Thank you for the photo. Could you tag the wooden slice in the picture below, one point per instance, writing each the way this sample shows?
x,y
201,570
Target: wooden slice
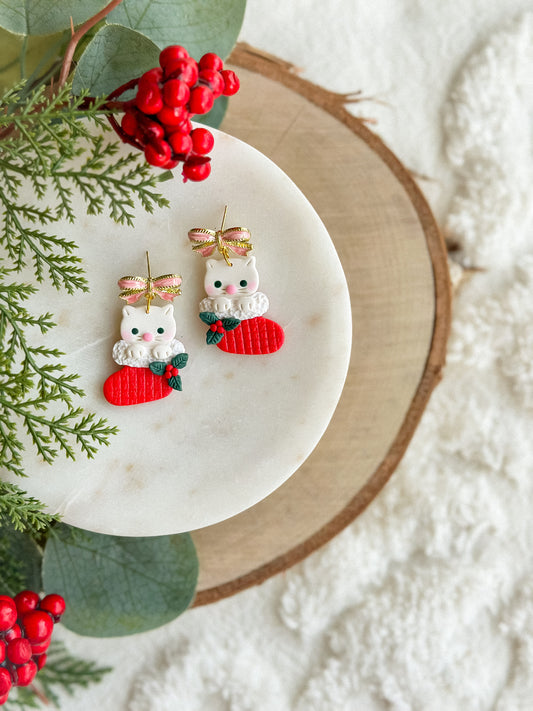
x,y
395,263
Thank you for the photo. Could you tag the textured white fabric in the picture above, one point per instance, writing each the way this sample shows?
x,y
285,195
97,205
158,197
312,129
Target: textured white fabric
x,y
251,306
425,603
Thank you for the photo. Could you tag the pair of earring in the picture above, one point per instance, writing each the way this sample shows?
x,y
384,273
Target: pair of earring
x,y
233,311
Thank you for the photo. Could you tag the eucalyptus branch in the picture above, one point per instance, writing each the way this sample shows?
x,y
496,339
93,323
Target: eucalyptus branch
x,y
76,37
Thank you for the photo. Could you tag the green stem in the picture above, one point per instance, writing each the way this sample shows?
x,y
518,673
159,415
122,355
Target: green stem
x,y
23,52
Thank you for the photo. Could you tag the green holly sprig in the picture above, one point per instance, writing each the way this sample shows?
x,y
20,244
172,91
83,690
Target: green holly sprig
x,y
217,326
170,371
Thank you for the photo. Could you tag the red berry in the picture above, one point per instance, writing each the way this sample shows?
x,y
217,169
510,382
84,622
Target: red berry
x,y
213,80
196,169
174,51
184,69
213,327
181,143
14,633
184,127
167,375
171,164
8,613
211,61
26,600
202,141
37,625
152,131
175,371
201,100
220,329
149,100
158,153
2,651
19,651
25,674
168,367
176,93
40,660
5,681
54,604
129,123
231,82
40,647
172,117
3,699
151,78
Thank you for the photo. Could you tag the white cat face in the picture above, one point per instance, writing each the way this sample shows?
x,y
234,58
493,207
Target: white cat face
x,y
158,326
241,278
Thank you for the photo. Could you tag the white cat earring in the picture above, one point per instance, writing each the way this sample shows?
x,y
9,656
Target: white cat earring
x,y
234,308
148,351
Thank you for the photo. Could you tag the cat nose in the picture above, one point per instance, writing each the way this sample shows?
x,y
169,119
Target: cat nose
x,y
230,289
148,337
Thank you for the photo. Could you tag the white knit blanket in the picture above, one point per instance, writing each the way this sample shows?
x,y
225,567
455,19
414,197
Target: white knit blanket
x,y
425,603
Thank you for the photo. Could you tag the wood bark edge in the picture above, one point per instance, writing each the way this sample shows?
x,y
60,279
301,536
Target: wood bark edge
x,y
283,72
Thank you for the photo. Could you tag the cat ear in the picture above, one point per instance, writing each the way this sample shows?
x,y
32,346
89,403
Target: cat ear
x,y
211,263
168,310
250,262
129,311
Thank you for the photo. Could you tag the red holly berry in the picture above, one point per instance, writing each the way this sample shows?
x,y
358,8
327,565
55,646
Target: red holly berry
x,y
149,99
2,651
40,647
202,141
3,699
19,651
38,625
158,153
171,164
181,143
213,80
196,168
151,78
40,660
213,327
8,613
220,329
184,69
176,93
26,600
201,100
5,681
14,633
174,371
151,131
174,51
54,604
231,82
129,123
25,674
172,117
211,61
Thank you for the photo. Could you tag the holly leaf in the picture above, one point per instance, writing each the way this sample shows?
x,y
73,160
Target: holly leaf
x,y
175,382
119,585
213,337
230,323
107,62
42,17
180,361
208,317
200,26
158,367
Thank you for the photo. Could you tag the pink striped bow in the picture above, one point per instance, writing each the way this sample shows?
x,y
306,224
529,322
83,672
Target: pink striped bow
x,y
135,288
234,239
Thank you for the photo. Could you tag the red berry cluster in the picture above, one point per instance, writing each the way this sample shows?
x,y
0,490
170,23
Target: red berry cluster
x,y
217,327
170,371
26,624
158,120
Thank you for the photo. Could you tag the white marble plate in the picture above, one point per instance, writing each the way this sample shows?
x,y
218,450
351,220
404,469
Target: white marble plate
x,y
242,424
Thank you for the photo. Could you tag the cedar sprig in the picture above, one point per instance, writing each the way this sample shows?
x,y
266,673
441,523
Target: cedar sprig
x,y
45,144
62,672
24,512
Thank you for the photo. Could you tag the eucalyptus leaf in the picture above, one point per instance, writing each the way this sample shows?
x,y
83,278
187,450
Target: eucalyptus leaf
x,y
117,585
113,57
20,562
200,26
214,117
42,17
